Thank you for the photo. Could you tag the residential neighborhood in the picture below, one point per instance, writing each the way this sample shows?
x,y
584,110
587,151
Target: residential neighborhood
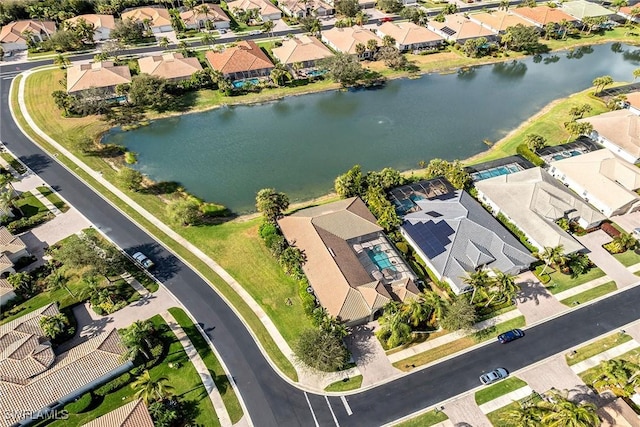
x,y
274,213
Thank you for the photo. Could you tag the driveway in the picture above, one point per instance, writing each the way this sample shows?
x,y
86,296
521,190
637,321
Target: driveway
x,y
604,260
369,356
628,221
464,412
534,300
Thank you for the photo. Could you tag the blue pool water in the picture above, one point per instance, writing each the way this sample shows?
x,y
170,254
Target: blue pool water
x,y
316,73
380,259
241,83
566,155
497,171
416,197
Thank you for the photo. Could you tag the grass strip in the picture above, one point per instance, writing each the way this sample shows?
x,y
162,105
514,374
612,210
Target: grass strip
x,y
53,198
590,294
494,391
14,163
425,420
597,347
218,374
346,384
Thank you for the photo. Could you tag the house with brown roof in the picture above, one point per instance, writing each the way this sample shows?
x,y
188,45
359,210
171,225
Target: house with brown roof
x,y
499,20
133,414
244,61
633,99
195,19
409,36
625,12
103,24
104,75
303,8
618,131
266,10
12,246
346,39
351,266
542,15
154,19
6,292
458,28
14,35
170,66
301,49
34,379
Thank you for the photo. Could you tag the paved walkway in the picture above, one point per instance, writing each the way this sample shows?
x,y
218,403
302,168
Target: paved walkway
x,y
603,259
369,356
201,368
535,301
445,339
506,399
605,355
555,373
46,202
465,412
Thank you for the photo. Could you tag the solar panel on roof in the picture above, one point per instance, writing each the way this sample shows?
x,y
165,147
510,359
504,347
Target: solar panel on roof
x,y
448,31
434,214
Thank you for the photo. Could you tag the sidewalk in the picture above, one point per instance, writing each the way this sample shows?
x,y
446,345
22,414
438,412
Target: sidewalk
x,y
603,259
46,202
582,288
506,399
605,355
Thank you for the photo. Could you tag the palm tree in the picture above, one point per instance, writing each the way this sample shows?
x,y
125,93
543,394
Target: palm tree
x,y
372,45
504,4
437,305
626,241
601,82
61,61
58,280
564,26
267,27
204,9
388,41
565,413
151,390
6,201
506,285
578,264
523,416
163,42
478,280
361,18
394,328
360,49
416,311
139,338
207,38
54,326
618,376
552,256
279,74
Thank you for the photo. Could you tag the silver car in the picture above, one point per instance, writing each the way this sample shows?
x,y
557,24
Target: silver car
x,y
142,259
493,376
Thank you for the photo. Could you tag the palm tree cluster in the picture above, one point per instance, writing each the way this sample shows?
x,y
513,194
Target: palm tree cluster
x,y
498,287
556,410
619,376
575,264
151,389
139,338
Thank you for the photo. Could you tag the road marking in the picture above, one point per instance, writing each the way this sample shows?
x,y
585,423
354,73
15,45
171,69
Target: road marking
x,y
346,405
335,420
315,420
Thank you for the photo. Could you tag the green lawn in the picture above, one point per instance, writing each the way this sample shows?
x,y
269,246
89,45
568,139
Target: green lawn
x,y
213,365
597,347
425,420
559,282
19,167
53,198
29,205
628,258
458,345
592,293
494,391
345,385
495,417
185,380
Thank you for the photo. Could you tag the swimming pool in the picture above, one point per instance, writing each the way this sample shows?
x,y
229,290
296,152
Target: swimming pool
x,y
240,83
316,73
566,154
380,258
497,171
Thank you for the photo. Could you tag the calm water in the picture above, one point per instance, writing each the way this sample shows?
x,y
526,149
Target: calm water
x,y
298,145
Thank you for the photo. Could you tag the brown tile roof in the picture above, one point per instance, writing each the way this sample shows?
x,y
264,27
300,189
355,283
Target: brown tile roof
x,y
69,372
158,16
245,56
499,20
169,66
303,5
265,7
621,127
12,32
542,15
301,48
193,17
346,39
408,33
97,74
463,28
133,414
98,21
9,242
633,98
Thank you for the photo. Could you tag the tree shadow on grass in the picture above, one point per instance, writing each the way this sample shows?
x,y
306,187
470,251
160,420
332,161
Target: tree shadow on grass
x,y
162,188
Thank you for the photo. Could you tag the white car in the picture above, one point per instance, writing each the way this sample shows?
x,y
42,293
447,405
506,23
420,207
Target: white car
x,y
255,32
142,259
493,376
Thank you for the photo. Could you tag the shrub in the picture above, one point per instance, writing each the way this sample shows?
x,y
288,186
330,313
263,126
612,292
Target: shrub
x,y
267,229
308,300
525,152
24,224
79,405
113,385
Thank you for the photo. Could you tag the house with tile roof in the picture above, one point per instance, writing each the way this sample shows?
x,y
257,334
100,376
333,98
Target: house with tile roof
x,y
170,66
154,19
581,9
542,15
133,414
6,292
499,20
34,379
301,49
266,10
351,266
533,200
633,99
103,24
104,75
12,246
409,36
626,12
13,36
601,178
459,28
618,131
245,60
304,8
346,39
195,19
453,234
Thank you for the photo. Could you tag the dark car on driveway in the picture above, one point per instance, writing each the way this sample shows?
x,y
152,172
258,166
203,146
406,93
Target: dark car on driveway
x,y
511,335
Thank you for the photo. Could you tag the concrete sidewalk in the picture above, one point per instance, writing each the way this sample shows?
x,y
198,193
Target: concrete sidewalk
x,y
605,355
603,259
504,400
46,202
582,288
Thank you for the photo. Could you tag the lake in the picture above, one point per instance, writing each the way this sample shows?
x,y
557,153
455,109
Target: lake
x,y
299,144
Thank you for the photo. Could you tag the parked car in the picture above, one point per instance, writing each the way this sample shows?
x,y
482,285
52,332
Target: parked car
x,y
222,31
511,335
142,259
493,376
255,32
636,233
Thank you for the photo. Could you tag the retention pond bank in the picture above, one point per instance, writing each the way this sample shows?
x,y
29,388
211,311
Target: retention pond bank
x,y
299,144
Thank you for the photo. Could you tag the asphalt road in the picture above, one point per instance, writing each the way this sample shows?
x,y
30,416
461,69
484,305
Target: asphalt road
x,y
271,401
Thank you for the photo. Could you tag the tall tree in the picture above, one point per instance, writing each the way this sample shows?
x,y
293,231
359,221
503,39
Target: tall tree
x,y
478,280
271,203
351,183
139,338
534,141
55,325
58,280
552,256
565,413
321,350
460,315
149,389
601,82
394,327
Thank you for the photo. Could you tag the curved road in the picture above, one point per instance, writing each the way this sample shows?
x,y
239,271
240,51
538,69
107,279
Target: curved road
x,y
272,401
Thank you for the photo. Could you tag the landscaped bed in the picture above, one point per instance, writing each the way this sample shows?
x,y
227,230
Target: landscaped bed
x,y
346,384
597,347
